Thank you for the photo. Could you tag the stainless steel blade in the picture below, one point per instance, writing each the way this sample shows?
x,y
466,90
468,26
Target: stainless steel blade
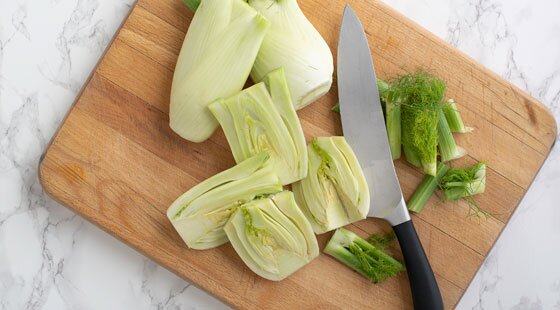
x,y
363,123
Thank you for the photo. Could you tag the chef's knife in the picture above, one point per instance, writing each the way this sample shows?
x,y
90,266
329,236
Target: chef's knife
x,y
363,125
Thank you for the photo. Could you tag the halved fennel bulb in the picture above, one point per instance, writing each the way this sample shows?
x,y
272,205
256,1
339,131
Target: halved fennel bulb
x,y
272,236
294,44
258,119
218,52
200,214
335,191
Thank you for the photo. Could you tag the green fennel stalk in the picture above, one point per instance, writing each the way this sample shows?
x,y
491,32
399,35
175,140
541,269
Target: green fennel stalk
x,y
448,149
454,118
362,256
420,95
418,200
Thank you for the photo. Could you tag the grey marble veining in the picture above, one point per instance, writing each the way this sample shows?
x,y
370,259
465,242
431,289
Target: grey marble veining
x,y
52,259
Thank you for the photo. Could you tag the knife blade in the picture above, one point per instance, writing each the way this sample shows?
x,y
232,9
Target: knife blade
x,y
363,125
363,122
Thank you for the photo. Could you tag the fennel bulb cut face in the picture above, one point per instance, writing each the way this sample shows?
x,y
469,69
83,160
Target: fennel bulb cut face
x,y
218,52
335,191
272,236
294,44
258,120
200,214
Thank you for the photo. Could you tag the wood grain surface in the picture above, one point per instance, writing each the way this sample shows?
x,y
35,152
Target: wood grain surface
x,y
116,162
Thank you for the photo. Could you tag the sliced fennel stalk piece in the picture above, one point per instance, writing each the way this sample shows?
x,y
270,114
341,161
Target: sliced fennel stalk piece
x,y
293,43
335,192
200,214
424,191
454,118
448,149
360,255
461,183
259,120
272,236
420,95
209,64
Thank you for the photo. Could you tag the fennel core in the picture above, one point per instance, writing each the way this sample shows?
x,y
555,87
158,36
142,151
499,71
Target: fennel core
x,y
272,236
334,193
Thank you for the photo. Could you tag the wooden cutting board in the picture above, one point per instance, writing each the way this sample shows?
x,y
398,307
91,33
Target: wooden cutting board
x,y
116,162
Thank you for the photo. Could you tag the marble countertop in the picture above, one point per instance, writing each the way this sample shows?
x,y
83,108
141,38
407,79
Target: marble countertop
x,y
51,258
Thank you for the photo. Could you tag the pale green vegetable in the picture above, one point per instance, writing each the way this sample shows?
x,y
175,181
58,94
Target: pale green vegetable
x,y
200,214
420,95
294,44
362,256
393,123
254,121
448,149
460,183
426,188
272,236
454,118
335,192
192,4
218,52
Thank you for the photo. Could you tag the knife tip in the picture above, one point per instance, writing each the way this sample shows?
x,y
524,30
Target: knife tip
x,y
348,10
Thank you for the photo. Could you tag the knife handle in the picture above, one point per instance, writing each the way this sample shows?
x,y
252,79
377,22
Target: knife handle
x,y
423,285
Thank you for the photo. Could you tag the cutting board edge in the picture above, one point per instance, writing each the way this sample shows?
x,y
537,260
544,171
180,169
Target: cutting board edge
x,y
425,32
96,223
86,84
47,189
43,175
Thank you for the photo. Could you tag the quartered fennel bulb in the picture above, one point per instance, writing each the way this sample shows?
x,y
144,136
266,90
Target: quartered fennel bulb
x,y
272,236
215,61
335,191
258,119
294,44
200,214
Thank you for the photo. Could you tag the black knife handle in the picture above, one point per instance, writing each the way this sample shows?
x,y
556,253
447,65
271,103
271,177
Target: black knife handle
x,y
423,285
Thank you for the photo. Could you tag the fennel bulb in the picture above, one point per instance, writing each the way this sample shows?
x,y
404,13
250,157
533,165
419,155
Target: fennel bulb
x,y
294,44
272,236
258,119
200,214
335,191
218,52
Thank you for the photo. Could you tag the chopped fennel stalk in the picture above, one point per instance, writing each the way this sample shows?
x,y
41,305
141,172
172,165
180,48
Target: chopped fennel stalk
x,y
393,123
294,44
410,155
420,95
362,256
465,183
272,236
426,188
335,192
382,87
382,241
258,119
448,149
336,107
454,118
200,214
209,66
192,4
459,183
